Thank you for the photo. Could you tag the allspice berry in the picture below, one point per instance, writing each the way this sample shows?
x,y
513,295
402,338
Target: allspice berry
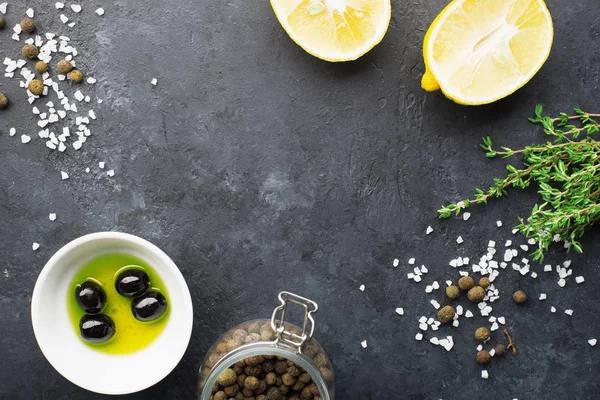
x,y
466,283
520,297
452,292
30,51
41,67
500,349
27,25
251,382
220,395
483,357
476,294
227,378
3,101
446,314
482,334
76,77
64,67
485,282
36,87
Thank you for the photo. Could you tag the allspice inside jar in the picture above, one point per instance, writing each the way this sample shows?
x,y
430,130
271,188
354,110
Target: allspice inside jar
x,y
252,360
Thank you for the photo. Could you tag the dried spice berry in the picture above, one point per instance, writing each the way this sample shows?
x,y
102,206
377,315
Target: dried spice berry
x,y
76,76
41,67
27,25
262,397
3,101
446,314
485,282
36,87
231,390
452,292
483,357
30,51
271,378
482,334
251,383
274,394
64,67
227,378
466,283
220,395
520,297
476,294
500,349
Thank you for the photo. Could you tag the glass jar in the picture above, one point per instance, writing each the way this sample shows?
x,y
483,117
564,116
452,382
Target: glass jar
x,y
257,347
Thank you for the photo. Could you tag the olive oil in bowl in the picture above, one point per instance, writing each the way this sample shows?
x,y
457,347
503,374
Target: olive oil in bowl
x,y
131,334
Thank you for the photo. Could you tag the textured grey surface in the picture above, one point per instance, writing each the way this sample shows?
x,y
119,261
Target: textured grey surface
x,y
259,168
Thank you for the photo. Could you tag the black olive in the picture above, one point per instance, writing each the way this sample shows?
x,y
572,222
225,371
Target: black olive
x,y
96,328
132,283
90,297
149,306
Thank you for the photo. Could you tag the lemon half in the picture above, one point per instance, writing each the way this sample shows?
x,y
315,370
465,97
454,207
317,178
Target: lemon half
x,y
334,30
479,51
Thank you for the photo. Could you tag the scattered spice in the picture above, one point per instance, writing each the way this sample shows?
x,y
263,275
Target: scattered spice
x,y
482,334
41,67
452,292
27,25
1,22
511,344
476,294
483,357
3,101
36,87
485,282
500,349
466,283
446,314
76,76
30,51
64,67
520,297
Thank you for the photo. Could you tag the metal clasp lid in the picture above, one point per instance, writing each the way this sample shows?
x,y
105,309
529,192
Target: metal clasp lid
x,y
278,320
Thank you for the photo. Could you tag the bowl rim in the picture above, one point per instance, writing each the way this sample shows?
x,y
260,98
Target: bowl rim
x,y
36,302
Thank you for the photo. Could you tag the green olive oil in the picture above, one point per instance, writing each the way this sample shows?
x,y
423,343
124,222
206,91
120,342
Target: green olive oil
x,y
131,335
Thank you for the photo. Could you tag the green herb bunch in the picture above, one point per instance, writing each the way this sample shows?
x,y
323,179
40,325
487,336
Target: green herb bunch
x,y
566,171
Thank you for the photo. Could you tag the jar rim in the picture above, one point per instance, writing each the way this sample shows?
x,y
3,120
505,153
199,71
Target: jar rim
x,y
261,348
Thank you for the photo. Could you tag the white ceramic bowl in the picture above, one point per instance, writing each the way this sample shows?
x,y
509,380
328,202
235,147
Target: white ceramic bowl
x,y
60,342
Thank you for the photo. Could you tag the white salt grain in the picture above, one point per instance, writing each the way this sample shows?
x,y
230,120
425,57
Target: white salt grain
x,y
423,326
363,344
52,216
417,278
423,319
25,139
459,310
435,304
534,275
484,374
494,326
424,269
552,309
466,216
561,282
498,224
76,7
459,240
592,342
468,314
101,164
455,323
64,18
64,175
29,12
411,261
508,243
435,285
400,311
428,289
502,320
567,263
59,5
154,81
580,279
100,11
479,347
419,336
569,312
449,283
3,8
87,170
543,296
35,246
548,268
361,288
524,247
395,263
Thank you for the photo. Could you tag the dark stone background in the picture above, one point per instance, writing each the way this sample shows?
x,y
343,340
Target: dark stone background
x,y
259,168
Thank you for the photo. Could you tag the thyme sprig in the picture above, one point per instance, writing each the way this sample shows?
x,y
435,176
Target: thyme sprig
x,y
566,171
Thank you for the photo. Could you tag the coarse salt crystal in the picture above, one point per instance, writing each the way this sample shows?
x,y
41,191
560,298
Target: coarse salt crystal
x,y
534,274
423,319
498,223
76,7
435,285
35,246
59,5
52,216
435,304
64,175
580,279
361,288
468,314
417,278
3,8
363,344
410,275
12,131
424,269
430,321
423,326
64,18
479,347
502,320
400,311
154,81
567,263
569,311
543,296
29,12
25,139
101,164
459,240
466,216
484,374
455,323
508,243
411,261
419,336
531,241
552,309
449,283
494,326
428,289
100,11
592,342
459,310
15,36
87,170
548,268
394,263
561,282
